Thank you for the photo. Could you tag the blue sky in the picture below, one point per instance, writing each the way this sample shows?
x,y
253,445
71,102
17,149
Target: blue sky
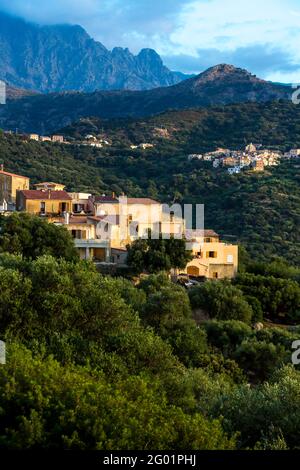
x,y
190,35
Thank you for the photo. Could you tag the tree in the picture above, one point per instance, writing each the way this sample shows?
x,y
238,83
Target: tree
x,y
158,255
221,300
166,307
47,406
31,236
279,298
265,414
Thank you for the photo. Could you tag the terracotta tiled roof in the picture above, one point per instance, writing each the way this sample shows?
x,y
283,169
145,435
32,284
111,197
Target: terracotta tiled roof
x,y
106,199
146,201
44,195
130,200
12,174
78,220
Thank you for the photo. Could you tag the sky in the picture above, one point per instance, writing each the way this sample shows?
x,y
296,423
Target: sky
x,y
190,35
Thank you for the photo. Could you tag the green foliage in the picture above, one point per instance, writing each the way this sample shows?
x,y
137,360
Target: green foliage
x,y
267,414
30,236
166,307
221,300
279,298
257,353
158,255
41,408
146,374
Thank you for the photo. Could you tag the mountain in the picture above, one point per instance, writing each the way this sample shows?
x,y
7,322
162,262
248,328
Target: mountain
x,y
64,57
220,85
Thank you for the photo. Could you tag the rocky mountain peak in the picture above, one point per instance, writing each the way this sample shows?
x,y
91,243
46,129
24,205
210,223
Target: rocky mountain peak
x,y
225,72
64,58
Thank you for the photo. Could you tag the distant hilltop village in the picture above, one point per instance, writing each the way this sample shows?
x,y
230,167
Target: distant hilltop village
x,y
254,158
102,229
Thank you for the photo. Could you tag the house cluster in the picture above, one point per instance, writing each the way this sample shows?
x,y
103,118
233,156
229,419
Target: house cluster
x,y
42,138
143,146
92,141
103,226
253,157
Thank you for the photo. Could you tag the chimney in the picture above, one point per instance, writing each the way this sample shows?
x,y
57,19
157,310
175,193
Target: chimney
x,y
49,193
113,195
2,167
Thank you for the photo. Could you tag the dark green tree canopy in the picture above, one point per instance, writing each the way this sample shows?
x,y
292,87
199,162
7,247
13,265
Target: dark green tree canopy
x,y
158,255
31,236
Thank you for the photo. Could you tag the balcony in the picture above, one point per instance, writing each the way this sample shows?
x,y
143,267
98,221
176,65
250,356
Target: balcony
x,y
82,243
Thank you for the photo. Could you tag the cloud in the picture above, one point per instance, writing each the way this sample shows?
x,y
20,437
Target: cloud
x,y
261,60
261,36
133,23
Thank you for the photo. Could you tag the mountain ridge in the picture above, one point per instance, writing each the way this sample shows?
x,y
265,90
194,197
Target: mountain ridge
x,y
220,85
64,57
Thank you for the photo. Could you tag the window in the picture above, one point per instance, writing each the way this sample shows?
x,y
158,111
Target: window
x,y
216,275
106,228
230,259
43,207
172,215
211,254
207,240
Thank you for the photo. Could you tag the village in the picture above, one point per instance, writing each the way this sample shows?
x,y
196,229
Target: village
x,y
253,157
104,226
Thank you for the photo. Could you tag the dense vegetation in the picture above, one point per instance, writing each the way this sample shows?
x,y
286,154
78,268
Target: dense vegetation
x,y
157,255
261,211
273,124
96,362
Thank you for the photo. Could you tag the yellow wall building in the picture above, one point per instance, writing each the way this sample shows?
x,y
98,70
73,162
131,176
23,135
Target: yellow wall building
x,y
105,225
10,184
213,259
45,203
127,219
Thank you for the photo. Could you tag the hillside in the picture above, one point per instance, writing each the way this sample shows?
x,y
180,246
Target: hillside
x,y
13,93
219,85
64,57
259,210
275,124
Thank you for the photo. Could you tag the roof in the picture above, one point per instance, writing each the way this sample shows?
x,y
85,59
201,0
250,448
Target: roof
x,y
145,201
78,220
13,174
44,195
130,200
109,219
49,183
106,199
201,233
